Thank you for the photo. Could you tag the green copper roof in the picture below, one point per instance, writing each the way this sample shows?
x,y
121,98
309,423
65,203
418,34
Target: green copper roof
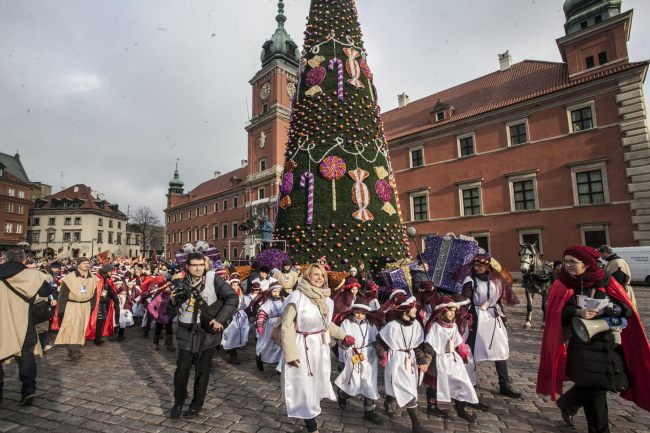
x,y
280,46
13,165
580,11
176,183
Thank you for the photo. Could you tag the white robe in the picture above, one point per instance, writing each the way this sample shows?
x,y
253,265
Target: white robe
x,y
236,334
453,380
302,391
266,348
360,379
401,375
491,336
264,284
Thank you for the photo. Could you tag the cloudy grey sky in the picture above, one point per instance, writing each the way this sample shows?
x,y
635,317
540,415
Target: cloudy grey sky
x,y
110,93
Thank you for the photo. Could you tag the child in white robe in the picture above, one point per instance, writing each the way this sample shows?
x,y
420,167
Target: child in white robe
x,y
450,355
399,347
269,313
359,374
235,335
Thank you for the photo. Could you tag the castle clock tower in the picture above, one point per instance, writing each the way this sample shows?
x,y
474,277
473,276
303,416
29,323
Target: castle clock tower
x,y
273,89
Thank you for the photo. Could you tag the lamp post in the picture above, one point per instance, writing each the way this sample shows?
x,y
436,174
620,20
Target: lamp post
x,y
412,233
92,247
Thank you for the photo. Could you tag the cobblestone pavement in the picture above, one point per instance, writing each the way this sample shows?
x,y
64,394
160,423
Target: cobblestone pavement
x,y
126,387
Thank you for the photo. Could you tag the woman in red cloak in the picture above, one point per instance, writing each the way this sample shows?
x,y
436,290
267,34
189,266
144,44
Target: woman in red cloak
x,y
600,365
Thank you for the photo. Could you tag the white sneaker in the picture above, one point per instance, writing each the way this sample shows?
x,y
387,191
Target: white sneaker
x,y
48,347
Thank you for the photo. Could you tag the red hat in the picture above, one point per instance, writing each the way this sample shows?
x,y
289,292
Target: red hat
x,y
587,255
361,303
446,302
256,285
426,286
351,282
372,288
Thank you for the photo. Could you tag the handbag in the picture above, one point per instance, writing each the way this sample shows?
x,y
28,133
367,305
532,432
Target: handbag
x,y
41,311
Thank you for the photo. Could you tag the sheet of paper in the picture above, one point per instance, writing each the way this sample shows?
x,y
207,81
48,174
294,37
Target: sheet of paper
x,y
592,304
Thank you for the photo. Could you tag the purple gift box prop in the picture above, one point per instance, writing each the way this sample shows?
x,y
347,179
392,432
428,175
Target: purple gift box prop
x,y
212,253
394,279
445,255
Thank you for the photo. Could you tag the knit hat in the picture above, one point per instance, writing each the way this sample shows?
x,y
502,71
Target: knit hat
x,y
286,262
233,280
256,286
606,249
353,269
274,286
587,255
265,269
80,260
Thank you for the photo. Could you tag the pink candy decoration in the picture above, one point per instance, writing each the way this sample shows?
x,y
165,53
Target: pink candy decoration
x,y
383,190
287,183
333,168
315,76
307,180
338,63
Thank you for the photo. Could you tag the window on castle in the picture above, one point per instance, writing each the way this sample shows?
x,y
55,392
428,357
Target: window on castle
x,y
582,119
589,62
602,58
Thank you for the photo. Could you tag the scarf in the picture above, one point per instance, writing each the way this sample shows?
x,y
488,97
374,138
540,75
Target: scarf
x,y
316,295
591,278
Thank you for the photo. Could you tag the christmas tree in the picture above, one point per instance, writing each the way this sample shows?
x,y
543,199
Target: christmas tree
x,y
338,196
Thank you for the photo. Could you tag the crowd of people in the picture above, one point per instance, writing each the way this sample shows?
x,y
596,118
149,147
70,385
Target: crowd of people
x,y
419,336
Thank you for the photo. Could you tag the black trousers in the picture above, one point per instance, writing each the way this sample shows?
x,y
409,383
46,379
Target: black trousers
x,y
26,362
594,403
169,329
98,329
502,373
202,362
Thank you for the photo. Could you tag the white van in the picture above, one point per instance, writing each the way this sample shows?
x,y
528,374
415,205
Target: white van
x,y
638,258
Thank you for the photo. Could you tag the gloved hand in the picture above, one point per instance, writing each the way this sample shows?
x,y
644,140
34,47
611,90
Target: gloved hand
x,y
348,341
613,310
260,330
384,360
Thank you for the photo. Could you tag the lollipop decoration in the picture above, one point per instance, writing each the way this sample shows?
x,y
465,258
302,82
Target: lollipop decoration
x,y
337,62
333,168
307,181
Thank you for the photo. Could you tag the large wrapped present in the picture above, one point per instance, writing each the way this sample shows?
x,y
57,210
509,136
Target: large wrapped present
x,y
394,278
446,255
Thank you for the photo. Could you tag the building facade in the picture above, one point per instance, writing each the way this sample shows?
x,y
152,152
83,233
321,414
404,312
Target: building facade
x,y
17,195
227,210
547,153
76,222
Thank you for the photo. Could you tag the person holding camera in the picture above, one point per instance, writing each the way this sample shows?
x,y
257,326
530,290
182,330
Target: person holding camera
x,y
205,304
603,363
19,289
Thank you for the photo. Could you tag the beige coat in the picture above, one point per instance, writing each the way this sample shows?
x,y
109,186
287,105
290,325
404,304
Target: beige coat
x,y
77,310
613,266
14,311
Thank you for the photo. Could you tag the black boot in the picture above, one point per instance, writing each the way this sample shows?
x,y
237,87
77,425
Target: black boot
x,y
416,426
169,342
461,411
434,410
390,406
176,410
483,407
567,415
371,416
260,364
120,337
156,341
233,358
508,391
145,332
342,401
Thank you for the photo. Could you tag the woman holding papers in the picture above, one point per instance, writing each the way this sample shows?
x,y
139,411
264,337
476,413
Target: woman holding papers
x,y
603,363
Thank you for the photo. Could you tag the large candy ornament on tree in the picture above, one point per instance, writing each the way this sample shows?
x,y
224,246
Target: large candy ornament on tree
x,y
353,67
333,168
315,76
361,195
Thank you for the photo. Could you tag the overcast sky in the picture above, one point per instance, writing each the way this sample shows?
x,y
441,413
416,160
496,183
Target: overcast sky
x,y
110,93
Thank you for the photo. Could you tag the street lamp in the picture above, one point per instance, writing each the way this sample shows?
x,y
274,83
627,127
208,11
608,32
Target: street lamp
x,y
412,233
92,247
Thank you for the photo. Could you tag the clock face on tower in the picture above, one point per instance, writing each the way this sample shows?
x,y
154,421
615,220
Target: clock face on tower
x,y
265,92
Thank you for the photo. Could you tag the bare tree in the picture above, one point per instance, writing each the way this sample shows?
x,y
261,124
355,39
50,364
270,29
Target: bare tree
x,y
147,224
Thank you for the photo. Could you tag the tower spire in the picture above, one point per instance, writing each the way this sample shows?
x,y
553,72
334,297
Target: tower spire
x,y
280,18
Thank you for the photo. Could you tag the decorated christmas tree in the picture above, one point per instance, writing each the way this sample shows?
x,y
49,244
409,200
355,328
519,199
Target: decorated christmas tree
x,y
338,196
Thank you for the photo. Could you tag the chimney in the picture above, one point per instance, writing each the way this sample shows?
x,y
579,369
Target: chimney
x,y
505,61
403,100
217,174
244,162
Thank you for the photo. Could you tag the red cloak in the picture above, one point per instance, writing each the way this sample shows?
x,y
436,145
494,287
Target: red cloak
x,y
107,329
636,350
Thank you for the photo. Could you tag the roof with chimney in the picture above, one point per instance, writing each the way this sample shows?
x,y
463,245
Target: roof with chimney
x,y
523,81
79,197
13,165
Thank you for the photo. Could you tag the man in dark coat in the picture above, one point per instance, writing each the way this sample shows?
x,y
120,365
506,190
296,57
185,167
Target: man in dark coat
x,y
206,303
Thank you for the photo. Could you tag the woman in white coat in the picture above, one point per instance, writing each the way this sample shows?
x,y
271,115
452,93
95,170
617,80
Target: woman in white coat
x,y
306,332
